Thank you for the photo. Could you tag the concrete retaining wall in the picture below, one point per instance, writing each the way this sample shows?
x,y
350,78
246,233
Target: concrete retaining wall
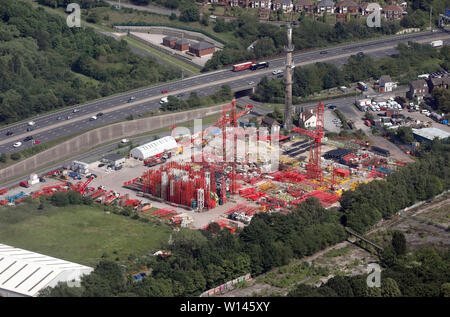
x,y
168,31
93,138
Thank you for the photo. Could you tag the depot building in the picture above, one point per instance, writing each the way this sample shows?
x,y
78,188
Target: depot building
x,y
153,148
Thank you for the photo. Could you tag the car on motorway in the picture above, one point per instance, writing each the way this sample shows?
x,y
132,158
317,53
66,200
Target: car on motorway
x,y
36,142
75,110
99,114
132,99
125,141
92,118
163,100
17,144
69,117
31,123
59,118
277,71
28,138
164,91
251,82
331,107
323,52
280,75
360,54
29,129
24,184
180,95
9,133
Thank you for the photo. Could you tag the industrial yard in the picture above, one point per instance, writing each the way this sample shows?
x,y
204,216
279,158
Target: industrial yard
x,y
168,180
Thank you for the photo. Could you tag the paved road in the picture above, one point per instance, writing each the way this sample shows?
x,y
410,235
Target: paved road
x,y
115,108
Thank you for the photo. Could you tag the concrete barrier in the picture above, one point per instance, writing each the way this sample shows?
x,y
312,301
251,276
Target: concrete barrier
x,y
93,138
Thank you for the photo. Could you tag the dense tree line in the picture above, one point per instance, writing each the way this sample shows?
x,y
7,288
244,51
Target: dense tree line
x,y
271,39
424,273
412,59
418,181
204,259
84,4
45,65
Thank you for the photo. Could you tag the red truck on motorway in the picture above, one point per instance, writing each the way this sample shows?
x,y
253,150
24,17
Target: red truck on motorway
x,y
242,66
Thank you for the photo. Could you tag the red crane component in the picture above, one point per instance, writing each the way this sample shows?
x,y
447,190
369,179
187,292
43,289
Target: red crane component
x,y
314,168
81,187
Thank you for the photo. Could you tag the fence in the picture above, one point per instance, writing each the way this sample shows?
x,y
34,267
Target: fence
x,y
226,287
166,51
102,135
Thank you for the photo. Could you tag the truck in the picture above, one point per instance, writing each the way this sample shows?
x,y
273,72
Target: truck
x,y
437,43
362,86
242,66
259,65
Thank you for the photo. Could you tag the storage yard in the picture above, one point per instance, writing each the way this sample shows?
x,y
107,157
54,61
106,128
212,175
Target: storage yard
x,y
168,180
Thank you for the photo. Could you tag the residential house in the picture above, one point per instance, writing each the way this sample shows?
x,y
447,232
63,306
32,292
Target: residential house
x,y
268,121
325,6
442,82
304,5
386,84
393,12
418,89
261,4
308,118
347,6
286,5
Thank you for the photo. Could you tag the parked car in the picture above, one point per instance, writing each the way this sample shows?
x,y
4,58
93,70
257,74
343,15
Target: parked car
x,y
101,164
17,144
42,179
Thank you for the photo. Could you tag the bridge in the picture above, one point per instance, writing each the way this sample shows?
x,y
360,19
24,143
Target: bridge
x,y
354,233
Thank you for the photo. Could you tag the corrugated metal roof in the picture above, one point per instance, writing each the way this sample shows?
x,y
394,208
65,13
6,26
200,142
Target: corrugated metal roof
x,y
26,272
431,133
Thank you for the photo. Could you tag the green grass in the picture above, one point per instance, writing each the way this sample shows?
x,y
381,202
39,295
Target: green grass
x,y
337,252
81,234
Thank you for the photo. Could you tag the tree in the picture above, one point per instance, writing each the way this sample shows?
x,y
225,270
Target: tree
x,y
399,242
3,158
172,16
15,156
389,288
60,199
190,14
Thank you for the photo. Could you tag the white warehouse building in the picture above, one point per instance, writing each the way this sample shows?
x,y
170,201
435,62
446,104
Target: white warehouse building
x,y
153,148
24,273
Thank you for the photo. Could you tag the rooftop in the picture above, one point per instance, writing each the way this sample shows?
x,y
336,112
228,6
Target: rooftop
x,y
26,273
431,133
202,45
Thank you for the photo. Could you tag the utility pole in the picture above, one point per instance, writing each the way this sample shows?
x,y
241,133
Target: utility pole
x,y
288,80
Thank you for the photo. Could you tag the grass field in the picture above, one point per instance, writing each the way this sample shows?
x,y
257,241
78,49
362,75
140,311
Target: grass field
x,y
81,234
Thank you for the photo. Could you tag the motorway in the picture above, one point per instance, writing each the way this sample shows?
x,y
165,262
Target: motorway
x,y
115,108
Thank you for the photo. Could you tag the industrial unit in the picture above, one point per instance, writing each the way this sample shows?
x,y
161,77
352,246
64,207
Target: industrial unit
x,y
24,273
